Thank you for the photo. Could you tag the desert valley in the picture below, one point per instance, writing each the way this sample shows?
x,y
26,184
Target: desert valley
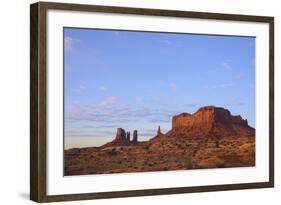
x,y
209,138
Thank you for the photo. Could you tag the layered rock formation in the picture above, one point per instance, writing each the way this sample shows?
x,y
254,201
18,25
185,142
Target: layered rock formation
x,y
207,116
209,121
122,138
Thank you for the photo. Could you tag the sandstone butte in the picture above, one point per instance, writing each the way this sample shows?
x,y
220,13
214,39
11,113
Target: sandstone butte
x,y
208,121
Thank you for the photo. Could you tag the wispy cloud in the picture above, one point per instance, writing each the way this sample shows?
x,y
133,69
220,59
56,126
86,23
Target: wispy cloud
x,y
82,132
219,86
69,42
191,105
75,111
109,111
226,66
107,102
79,89
221,66
102,88
234,102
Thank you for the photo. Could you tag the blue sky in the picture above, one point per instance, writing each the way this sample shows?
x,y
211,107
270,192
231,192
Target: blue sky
x,y
139,80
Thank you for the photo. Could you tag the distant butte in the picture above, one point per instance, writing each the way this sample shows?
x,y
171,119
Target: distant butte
x,y
122,138
208,121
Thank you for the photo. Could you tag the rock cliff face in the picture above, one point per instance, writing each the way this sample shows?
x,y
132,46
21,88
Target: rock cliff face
x,y
207,116
209,121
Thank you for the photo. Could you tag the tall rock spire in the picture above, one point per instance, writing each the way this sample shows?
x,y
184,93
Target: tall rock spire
x,y
128,136
158,131
135,136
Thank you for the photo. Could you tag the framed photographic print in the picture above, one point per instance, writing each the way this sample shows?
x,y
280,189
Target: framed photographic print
x,y
134,102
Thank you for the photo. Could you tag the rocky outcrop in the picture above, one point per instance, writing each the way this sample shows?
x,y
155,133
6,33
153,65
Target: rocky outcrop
x,y
122,138
128,136
159,131
159,135
120,135
207,116
135,137
209,121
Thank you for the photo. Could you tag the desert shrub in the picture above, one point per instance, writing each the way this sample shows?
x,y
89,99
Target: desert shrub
x,y
145,162
217,143
149,152
179,145
112,152
147,146
188,162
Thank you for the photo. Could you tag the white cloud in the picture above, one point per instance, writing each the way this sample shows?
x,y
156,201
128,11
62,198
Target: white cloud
x,y
108,112
107,102
79,89
226,66
69,42
219,86
234,102
75,111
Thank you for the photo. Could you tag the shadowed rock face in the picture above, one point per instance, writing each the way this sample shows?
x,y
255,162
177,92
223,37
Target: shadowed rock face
x,y
135,137
128,136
